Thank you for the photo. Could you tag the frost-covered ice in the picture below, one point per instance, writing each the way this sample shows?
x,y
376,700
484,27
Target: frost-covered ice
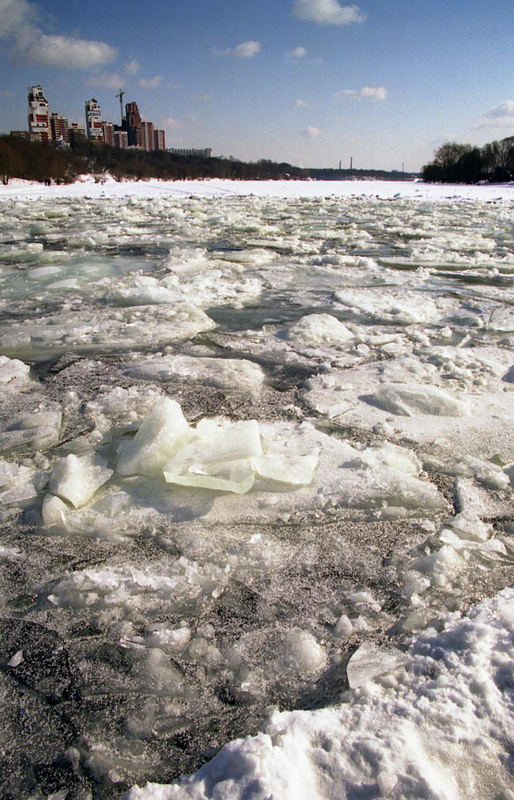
x,y
256,451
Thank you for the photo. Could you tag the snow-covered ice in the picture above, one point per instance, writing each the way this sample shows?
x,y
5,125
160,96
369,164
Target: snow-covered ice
x,y
257,458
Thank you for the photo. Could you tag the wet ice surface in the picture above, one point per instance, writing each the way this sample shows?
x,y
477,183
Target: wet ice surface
x,y
254,450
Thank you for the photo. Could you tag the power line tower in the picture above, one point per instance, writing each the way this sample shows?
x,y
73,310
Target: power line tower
x,y
120,95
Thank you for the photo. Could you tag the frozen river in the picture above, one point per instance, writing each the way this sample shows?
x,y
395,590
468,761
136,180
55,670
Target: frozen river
x,y
256,466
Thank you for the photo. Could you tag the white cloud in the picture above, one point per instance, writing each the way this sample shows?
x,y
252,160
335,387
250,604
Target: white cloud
x,y
150,83
506,109
30,44
132,67
105,80
297,53
243,50
377,93
171,123
15,16
300,103
374,92
328,12
501,116
312,133
247,49
67,51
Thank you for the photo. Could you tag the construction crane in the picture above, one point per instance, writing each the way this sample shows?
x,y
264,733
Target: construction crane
x,y
120,95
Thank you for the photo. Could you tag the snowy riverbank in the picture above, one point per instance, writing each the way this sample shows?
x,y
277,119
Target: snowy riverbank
x,y
86,186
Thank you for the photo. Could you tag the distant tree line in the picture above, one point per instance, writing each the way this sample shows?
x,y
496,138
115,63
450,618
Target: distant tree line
x,y
463,163
361,174
41,161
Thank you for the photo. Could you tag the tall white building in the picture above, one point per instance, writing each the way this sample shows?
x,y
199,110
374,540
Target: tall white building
x,y
94,127
39,114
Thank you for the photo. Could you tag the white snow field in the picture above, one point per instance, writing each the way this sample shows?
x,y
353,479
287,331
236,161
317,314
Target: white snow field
x,y
256,468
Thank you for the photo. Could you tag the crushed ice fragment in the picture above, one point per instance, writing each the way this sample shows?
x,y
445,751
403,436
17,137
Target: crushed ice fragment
x,y
76,479
162,432
54,511
16,660
13,372
318,329
371,661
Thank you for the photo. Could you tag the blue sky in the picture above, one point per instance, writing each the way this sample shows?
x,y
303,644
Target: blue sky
x,y
311,82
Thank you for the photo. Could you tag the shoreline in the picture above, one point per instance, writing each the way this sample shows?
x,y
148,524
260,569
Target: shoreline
x,y
19,189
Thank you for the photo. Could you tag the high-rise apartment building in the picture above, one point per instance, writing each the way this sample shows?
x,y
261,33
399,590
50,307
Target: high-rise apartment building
x,y
94,120
133,123
76,132
159,140
121,139
148,135
108,133
39,116
59,128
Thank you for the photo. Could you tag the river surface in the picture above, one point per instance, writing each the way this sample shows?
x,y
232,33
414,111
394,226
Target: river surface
x,y
241,438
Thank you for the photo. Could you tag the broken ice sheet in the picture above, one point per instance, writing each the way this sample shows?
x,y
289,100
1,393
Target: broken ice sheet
x,y
90,330
219,457
35,431
19,485
409,399
223,373
385,305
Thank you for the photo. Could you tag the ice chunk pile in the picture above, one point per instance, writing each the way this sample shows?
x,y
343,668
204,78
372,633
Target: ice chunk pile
x,y
181,587
181,471
217,455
